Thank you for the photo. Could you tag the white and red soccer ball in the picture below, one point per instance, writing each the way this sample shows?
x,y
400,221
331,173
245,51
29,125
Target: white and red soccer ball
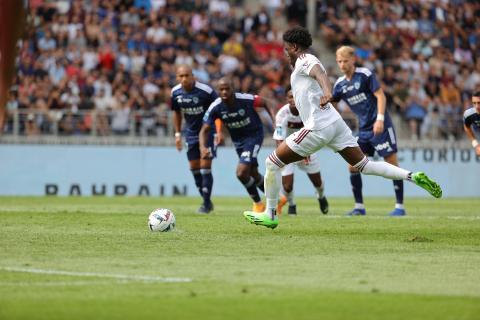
x,y
161,220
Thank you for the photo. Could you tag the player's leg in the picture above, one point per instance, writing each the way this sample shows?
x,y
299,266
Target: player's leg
x,y
317,182
386,146
207,178
258,177
244,169
355,157
398,187
356,179
207,184
286,194
247,153
12,19
311,165
283,154
193,156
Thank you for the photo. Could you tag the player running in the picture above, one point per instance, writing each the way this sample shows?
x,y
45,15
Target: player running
x,y
287,122
323,126
239,113
471,118
192,98
360,90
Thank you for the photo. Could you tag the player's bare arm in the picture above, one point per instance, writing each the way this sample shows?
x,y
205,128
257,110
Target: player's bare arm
x,y
321,76
378,126
263,104
177,123
202,139
471,136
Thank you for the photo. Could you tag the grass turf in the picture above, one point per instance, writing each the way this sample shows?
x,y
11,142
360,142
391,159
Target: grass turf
x,y
422,266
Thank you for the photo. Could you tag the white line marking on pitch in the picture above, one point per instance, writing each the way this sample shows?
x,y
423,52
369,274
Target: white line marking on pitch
x,y
97,275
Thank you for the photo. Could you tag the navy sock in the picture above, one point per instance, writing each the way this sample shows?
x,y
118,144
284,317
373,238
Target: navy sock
x,y
259,183
198,179
207,183
398,186
252,189
356,181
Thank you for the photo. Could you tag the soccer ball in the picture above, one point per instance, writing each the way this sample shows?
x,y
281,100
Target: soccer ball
x,y
161,220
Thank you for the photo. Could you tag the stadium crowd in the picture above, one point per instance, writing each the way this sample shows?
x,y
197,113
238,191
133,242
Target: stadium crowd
x,y
96,65
425,52
93,65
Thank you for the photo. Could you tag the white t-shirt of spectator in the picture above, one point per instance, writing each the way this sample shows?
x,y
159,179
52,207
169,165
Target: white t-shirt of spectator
x,y
150,89
100,85
103,103
219,6
156,34
157,4
90,60
47,44
138,61
307,92
228,63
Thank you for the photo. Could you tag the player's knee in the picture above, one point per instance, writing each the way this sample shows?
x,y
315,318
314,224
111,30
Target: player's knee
x,y
360,166
243,175
288,187
272,163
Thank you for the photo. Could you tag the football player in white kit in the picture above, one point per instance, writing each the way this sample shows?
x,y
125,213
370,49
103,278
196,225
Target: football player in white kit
x,y
323,126
287,122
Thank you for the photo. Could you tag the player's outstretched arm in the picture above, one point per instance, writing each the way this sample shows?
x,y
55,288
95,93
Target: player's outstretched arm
x,y
319,74
203,139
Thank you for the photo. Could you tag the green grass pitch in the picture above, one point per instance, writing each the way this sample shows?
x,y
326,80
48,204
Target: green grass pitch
x,y
84,258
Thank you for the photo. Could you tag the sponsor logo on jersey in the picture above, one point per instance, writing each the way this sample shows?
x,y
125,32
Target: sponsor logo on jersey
x,y
357,99
383,146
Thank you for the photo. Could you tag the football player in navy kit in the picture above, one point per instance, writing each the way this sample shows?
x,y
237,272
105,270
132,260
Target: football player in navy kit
x,y
239,113
471,121
190,99
359,88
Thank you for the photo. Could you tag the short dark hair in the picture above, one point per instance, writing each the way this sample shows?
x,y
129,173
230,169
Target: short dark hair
x,y
476,94
288,88
299,36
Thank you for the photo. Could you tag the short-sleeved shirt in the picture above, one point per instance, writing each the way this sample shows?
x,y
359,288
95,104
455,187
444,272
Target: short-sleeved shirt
x,y
241,120
193,104
307,93
358,93
472,119
286,123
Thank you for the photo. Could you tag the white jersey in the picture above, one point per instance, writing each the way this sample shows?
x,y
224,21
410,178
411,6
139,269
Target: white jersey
x,y
286,123
307,92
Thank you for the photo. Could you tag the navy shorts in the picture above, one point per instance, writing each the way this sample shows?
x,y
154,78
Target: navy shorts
x,y
384,144
193,148
247,150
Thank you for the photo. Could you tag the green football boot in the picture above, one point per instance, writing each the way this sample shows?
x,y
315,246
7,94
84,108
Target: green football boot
x,y
261,219
423,181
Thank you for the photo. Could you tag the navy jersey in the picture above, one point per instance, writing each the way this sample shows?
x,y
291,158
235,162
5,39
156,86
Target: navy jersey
x,y
241,120
358,93
472,119
193,105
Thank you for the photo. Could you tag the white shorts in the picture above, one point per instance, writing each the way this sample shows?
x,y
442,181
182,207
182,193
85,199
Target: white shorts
x,y
336,136
309,165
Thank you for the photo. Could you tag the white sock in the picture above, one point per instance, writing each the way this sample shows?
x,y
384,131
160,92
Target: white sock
x,y
399,206
359,206
272,182
383,169
319,191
